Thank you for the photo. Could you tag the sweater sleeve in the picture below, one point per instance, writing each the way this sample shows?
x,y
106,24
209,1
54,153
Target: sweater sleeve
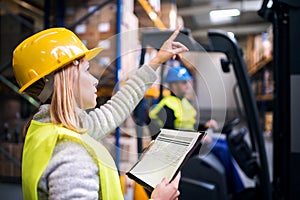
x,y
102,121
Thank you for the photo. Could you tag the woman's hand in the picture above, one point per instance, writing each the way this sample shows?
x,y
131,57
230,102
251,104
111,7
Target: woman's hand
x,y
166,190
169,49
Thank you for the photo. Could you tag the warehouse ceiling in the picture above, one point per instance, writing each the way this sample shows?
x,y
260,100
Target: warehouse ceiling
x,y
195,14
196,17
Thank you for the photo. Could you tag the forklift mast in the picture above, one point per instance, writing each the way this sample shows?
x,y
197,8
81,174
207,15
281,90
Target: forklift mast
x,y
221,41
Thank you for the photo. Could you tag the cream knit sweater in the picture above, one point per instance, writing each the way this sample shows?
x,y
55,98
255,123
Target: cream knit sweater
x,y
71,172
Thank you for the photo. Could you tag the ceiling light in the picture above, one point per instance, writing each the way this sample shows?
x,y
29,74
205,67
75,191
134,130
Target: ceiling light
x,y
223,15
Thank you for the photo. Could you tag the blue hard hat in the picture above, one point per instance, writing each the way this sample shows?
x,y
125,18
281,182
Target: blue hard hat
x,y
176,74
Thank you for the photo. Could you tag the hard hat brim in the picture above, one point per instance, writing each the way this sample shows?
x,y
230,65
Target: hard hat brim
x,y
93,53
90,54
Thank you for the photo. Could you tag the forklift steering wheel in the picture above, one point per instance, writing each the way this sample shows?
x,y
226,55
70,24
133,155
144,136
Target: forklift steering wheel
x,y
229,125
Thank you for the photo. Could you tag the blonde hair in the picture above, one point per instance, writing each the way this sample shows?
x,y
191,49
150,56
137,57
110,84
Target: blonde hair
x,y
63,102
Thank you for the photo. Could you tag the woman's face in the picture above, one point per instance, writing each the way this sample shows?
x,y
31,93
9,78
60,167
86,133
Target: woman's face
x,y
86,92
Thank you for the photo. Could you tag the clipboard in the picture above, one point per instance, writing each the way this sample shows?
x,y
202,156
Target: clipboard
x,y
165,156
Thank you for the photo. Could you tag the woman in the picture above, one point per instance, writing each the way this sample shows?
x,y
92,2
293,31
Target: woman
x,y
61,157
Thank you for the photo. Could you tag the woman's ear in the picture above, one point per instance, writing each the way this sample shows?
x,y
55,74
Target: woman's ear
x,y
75,62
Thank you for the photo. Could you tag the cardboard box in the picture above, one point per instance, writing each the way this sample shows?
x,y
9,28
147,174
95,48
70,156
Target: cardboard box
x,y
168,15
128,150
268,123
7,167
106,29
128,6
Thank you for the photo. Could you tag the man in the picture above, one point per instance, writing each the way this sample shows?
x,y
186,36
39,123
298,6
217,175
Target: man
x,y
176,112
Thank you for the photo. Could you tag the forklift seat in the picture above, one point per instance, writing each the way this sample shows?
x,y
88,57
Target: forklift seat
x,y
203,177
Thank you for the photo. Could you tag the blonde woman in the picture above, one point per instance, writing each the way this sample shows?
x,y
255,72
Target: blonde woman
x,y
62,158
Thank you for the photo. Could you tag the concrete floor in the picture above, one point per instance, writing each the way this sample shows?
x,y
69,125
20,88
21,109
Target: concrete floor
x,y
10,191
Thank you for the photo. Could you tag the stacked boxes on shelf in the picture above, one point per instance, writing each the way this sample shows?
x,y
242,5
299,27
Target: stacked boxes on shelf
x,y
97,30
128,150
11,137
168,13
260,68
100,30
9,167
268,126
130,47
259,49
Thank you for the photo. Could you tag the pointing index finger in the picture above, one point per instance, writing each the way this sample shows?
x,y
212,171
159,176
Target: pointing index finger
x,y
175,34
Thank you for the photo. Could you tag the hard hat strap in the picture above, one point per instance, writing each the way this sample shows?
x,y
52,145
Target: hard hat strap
x,y
48,88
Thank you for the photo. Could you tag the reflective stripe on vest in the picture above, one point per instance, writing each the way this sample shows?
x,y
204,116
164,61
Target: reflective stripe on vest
x,y
184,112
40,142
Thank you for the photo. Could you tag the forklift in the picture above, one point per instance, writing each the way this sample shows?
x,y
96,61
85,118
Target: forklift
x,y
203,176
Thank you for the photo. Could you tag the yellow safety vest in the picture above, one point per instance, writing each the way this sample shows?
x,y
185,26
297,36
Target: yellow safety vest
x,y
39,144
184,112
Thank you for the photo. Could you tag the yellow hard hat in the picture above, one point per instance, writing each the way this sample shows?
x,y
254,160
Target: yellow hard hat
x,y
45,52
